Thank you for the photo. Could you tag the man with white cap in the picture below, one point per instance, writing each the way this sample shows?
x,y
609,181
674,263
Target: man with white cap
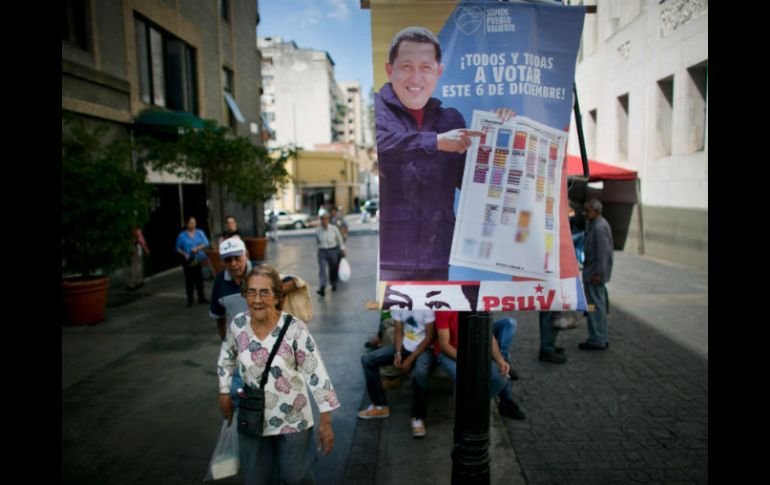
x,y
226,298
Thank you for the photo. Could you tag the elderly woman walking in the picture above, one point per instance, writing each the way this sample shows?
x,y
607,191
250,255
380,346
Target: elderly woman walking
x,y
279,448
191,244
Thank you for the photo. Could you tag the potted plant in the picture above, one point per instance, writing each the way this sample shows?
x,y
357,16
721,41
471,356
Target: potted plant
x,y
103,201
248,173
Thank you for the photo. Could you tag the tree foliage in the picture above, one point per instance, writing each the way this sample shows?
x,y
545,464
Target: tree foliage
x,y
103,200
249,173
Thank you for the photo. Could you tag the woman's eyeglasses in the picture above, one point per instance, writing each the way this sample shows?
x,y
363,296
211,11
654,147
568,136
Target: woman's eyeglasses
x,y
263,293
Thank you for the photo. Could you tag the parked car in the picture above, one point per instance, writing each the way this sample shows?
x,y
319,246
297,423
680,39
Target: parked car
x,y
286,219
372,206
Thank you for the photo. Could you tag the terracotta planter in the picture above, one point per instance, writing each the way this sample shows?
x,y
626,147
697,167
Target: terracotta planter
x,y
257,247
213,256
83,301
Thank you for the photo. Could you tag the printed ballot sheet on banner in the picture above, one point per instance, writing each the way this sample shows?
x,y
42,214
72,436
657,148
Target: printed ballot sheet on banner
x,y
507,218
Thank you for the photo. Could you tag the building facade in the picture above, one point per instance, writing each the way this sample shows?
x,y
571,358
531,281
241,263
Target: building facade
x,y
642,82
123,58
327,176
304,105
300,100
353,126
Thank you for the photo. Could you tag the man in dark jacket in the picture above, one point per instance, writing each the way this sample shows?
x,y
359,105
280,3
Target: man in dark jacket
x,y
597,269
421,149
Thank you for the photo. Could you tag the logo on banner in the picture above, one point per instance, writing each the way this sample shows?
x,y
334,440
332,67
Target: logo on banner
x,y
497,20
469,19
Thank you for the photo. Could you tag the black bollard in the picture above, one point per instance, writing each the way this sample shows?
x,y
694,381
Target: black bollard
x,y
470,456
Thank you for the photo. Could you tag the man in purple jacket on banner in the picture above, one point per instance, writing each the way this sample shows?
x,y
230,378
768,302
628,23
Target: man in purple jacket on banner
x,y
421,148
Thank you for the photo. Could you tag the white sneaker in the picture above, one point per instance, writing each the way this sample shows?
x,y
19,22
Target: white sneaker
x,y
418,428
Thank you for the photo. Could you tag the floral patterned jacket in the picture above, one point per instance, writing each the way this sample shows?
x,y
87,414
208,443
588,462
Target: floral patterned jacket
x,y
296,366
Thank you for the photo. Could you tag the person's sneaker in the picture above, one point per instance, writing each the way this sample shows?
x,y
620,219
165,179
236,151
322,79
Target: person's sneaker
x,y
590,346
374,412
418,428
511,410
321,291
554,357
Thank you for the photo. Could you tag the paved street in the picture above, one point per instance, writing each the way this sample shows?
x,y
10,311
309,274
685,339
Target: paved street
x,y
139,390
636,413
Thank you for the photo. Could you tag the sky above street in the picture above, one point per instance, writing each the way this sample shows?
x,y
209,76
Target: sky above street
x,y
339,27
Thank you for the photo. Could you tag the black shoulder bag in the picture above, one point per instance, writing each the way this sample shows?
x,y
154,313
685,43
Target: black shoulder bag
x,y
251,408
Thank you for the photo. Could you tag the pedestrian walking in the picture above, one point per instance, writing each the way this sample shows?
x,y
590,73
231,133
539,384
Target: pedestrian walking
x,y
597,270
190,244
331,248
276,446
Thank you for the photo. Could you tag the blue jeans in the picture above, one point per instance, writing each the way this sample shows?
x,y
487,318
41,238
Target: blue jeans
x,y
371,362
547,333
503,330
578,239
286,458
597,319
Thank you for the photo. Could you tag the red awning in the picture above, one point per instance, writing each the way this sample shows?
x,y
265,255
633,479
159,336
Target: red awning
x,y
598,170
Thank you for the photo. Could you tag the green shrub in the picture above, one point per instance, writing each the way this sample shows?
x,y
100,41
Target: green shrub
x,y
103,201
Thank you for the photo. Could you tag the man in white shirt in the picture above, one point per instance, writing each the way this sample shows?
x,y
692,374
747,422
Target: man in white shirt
x,y
331,248
411,350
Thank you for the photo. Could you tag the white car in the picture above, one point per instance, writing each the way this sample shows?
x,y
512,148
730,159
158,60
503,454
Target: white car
x,y
286,219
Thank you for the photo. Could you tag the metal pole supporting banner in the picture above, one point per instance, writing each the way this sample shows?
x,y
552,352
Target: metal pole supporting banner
x,y
581,138
470,456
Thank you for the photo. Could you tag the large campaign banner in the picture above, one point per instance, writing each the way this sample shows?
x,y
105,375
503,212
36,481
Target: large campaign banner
x,y
472,114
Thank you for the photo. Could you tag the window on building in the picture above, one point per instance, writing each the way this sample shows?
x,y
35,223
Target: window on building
x,y
74,23
697,107
166,68
622,110
224,9
665,116
228,80
180,76
228,85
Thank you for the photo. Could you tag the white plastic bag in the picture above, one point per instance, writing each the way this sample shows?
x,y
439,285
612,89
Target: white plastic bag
x,y
565,321
344,269
225,462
